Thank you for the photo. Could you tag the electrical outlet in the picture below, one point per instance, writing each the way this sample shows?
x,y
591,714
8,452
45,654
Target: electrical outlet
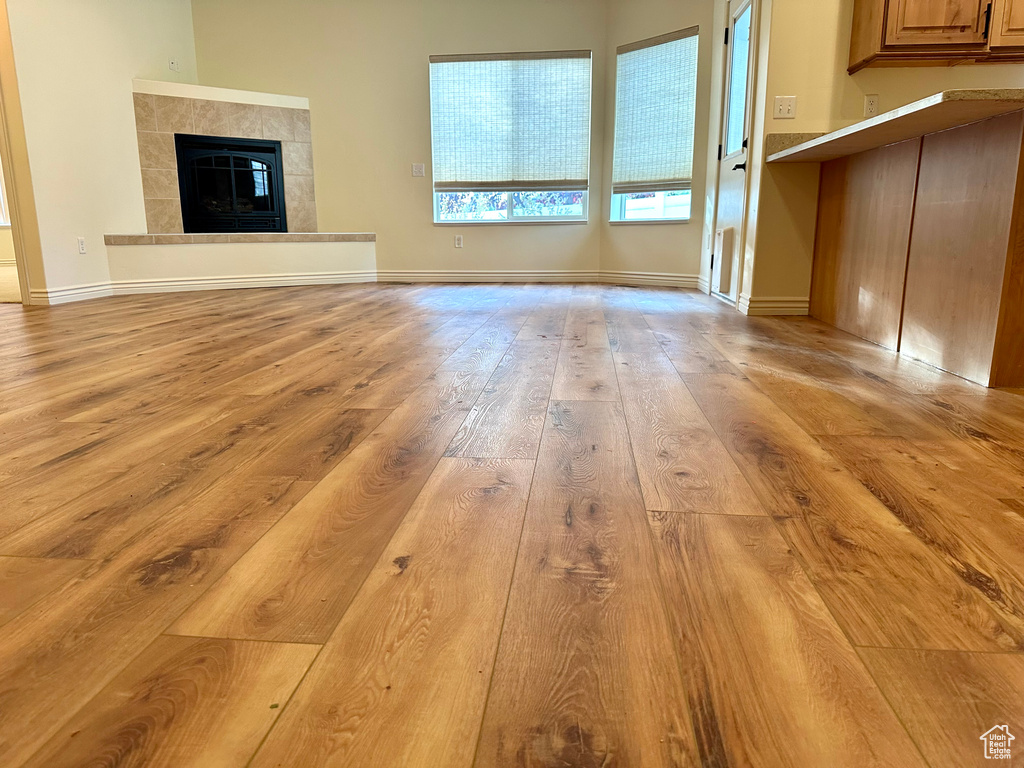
x,y
458,241
173,65
871,105
419,169
81,245
785,107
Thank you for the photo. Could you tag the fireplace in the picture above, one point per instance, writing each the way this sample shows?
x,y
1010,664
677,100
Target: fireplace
x,y
230,185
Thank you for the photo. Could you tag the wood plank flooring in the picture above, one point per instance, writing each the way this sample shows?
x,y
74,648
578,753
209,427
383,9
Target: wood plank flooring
x,y
502,525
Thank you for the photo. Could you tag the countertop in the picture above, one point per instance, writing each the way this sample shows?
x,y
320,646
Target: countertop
x,y
945,110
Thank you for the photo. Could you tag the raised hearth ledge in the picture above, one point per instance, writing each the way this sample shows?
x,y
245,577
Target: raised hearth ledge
x,y
252,237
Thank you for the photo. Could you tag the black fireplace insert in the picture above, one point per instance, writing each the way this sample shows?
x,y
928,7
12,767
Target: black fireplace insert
x,y
230,185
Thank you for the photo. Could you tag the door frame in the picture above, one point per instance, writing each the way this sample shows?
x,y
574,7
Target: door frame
x,y
735,8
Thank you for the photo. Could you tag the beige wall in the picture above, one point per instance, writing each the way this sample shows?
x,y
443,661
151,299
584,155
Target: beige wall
x,y
75,62
363,66
664,248
807,58
6,246
657,248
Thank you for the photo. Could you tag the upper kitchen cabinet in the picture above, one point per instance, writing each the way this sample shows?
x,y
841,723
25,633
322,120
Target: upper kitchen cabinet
x,y
920,32
1007,26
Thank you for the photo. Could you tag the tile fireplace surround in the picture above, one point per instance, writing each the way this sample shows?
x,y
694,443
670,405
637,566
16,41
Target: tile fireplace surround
x,y
230,114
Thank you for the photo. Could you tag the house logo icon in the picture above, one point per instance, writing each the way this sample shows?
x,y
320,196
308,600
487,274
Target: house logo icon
x,y
997,743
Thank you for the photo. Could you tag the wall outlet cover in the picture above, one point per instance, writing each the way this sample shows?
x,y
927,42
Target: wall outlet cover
x,y
871,108
419,169
81,245
458,241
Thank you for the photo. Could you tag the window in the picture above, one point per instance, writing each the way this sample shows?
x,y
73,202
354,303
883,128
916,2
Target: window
x,y
5,215
655,112
511,136
736,111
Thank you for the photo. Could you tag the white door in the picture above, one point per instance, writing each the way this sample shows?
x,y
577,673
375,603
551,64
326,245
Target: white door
x,y
732,152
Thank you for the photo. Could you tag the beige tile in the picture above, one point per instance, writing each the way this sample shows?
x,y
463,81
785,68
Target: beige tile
x,y
172,239
298,158
298,189
278,123
210,238
212,118
156,150
174,115
252,238
160,184
163,216
301,217
302,126
145,112
128,239
356,237
245,121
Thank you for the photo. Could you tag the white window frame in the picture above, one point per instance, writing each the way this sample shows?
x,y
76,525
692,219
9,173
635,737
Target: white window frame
x,y
618,212
510,218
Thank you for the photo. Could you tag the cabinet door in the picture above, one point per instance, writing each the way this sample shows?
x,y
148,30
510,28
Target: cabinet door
x,y
1007,24
935,22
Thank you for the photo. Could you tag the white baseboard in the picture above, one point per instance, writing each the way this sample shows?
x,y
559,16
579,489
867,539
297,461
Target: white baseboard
x,y
485,276
703,284
760,306
172,285
71,293
540,276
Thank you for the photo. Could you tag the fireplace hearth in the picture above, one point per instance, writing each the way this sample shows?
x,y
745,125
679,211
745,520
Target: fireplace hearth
x,y
230,185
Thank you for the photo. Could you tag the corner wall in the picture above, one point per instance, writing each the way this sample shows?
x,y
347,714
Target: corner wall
x,y
673,249
363,66
75,64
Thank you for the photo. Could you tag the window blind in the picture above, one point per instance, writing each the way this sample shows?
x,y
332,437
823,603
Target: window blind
x,y
515,122
655,110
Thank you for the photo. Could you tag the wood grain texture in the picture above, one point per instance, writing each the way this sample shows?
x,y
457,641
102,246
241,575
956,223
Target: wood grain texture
x,y
507,419
585,370
183,702
948,700
982,543
859,555
771,678
297,582
958,254
865,208
682,464
24,580
586,673
198,449
403,679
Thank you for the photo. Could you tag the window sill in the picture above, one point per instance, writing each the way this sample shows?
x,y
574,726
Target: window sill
x,y
632,222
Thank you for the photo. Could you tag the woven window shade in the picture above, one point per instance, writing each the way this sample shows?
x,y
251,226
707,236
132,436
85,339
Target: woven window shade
x,y
513,122
655,108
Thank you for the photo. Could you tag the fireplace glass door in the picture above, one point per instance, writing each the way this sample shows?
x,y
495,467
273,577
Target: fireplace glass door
x,y
230,185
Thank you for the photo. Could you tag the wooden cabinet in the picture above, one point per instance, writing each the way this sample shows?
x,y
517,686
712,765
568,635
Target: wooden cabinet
x,y
940,32
936,22
1007,25
920,248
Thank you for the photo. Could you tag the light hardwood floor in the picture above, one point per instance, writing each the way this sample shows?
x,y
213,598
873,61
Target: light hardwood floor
x,y
455,526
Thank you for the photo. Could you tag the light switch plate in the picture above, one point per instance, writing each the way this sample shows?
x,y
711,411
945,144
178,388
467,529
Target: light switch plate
x,y
419,169
785,107
458,241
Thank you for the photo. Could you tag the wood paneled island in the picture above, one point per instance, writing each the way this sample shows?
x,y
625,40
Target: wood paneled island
x,y
920,233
